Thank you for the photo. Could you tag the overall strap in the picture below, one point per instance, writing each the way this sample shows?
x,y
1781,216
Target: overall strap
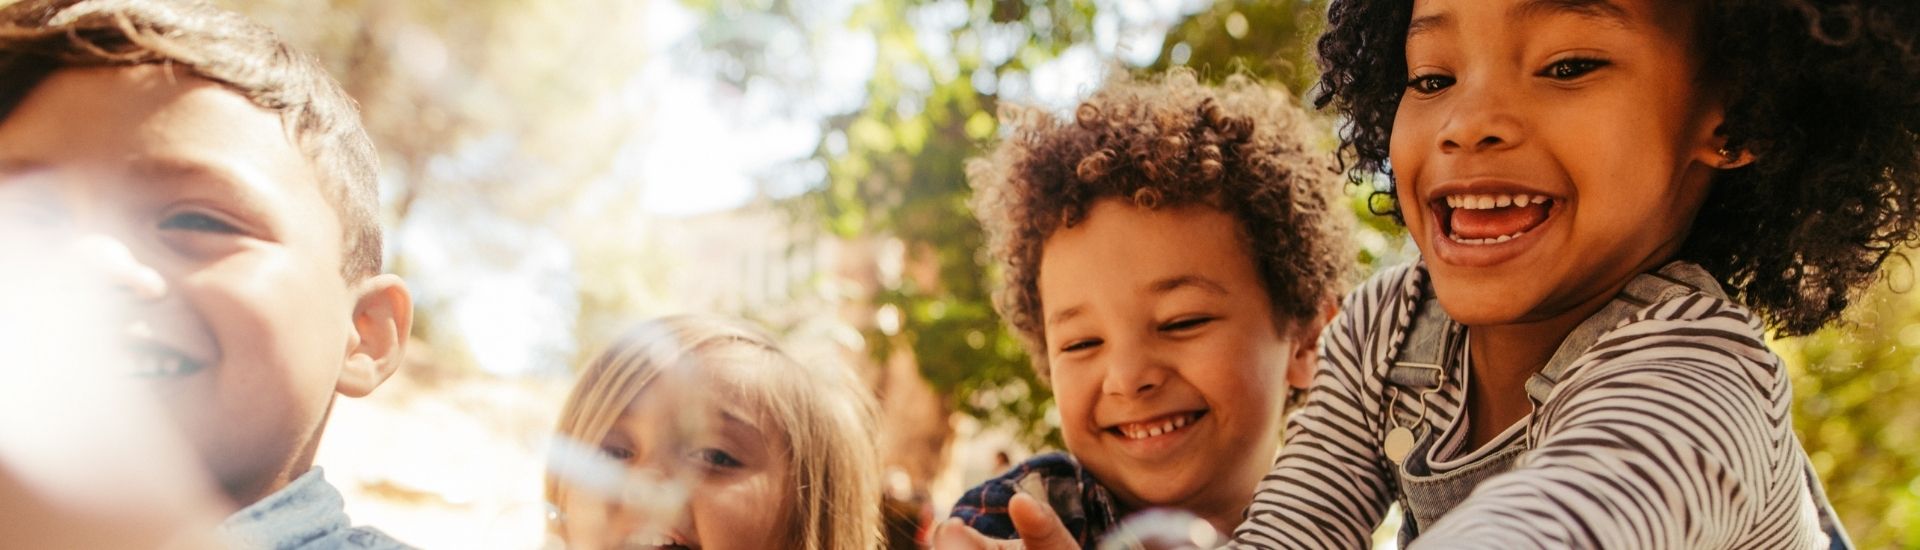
x,y
1675,280
1420,363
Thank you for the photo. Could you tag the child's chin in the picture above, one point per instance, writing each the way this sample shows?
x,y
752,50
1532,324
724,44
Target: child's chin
x,y
1476,302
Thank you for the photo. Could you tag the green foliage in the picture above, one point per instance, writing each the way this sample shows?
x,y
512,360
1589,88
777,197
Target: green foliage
x,y
1852,384
1269,39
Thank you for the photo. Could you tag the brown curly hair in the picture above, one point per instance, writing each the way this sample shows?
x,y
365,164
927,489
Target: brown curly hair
x,y
40,37
1824,93
1240,147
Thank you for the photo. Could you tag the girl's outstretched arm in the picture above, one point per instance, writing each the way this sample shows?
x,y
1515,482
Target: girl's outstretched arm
x,y
1678,436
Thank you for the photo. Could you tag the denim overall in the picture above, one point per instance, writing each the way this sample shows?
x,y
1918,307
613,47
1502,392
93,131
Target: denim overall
x,y
1426,358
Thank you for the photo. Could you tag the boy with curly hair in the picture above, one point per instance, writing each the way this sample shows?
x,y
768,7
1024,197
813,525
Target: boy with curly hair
x,y
1170,254
219,184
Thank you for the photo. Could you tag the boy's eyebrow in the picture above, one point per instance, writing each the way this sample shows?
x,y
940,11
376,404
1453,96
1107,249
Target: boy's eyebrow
x,y
1065,314
1604,11
1170,284
178,169
242,189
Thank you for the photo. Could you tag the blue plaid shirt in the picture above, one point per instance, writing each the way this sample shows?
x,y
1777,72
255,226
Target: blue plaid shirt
x,y
1082,504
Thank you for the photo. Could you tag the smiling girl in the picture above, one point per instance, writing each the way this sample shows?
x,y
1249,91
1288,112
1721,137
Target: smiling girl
x,y
1613,200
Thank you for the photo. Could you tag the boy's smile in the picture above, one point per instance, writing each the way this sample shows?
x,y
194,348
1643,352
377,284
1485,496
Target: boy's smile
x,y
165,357
1168,364
1158,437
197,209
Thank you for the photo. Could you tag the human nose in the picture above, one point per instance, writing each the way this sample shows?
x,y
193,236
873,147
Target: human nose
x,y
1482,118
114,263
1133,371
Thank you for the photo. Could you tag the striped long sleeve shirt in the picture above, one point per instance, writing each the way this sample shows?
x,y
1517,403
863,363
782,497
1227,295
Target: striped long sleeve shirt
x,y
1672,431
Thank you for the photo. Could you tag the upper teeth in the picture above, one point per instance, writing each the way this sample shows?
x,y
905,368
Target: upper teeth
x,y
1145,430
1486,201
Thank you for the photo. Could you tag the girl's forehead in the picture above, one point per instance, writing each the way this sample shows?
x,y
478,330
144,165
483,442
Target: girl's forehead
x,y
707,387
1438,14
1502,24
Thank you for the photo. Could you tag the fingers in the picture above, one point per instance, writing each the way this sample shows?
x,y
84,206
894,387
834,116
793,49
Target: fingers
x,y
1039,528
952,534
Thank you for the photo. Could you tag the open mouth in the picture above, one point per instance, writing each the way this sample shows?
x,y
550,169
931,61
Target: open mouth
x,y
149,361
1156,427
1491,218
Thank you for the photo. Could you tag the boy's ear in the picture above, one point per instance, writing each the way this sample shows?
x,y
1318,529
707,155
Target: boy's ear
x,y
1304,360
382,319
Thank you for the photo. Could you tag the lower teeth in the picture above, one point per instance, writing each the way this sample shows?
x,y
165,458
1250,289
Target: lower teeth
x,y
1489,240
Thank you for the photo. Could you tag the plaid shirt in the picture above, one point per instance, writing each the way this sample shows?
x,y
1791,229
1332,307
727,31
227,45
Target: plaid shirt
x,y
1082,504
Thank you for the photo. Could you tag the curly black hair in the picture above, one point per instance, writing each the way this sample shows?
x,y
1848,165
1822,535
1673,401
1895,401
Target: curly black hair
x,y
1241,147
1824,93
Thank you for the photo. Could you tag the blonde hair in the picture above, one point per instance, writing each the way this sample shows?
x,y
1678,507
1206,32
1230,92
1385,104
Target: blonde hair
x,y
823,410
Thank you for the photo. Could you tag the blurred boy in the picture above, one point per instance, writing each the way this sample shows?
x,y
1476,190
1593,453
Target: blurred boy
x,y
220,187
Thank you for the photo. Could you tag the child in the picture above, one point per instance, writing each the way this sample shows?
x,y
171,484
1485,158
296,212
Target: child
x,y
1611,199
222,186
730,444
1170,253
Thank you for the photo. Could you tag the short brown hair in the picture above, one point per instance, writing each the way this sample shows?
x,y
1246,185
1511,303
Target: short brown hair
x,y
39,37
1241,147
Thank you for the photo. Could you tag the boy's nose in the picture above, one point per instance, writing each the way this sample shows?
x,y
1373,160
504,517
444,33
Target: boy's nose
x,y
115,264
1134,373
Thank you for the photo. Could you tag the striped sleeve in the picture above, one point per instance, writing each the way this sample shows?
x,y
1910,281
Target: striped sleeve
x,y
1328,489
1669,433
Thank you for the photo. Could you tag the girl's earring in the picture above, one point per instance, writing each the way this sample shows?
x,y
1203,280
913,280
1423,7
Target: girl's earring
x,y
1726,156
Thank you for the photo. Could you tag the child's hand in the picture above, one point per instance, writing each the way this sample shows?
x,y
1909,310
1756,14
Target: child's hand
x,y
1039,530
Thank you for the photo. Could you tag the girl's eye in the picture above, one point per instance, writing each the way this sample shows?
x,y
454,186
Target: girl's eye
x,y
1429,84
716,458
1569,69
197,222
617,453
1189,323
1078,345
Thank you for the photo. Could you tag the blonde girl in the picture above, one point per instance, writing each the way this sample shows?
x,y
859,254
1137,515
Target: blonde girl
x,y
721,440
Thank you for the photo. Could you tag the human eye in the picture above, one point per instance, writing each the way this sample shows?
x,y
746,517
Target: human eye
x,y
1081,344
1572,68
1185,324
1429,84
617,452
197,222
715,459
